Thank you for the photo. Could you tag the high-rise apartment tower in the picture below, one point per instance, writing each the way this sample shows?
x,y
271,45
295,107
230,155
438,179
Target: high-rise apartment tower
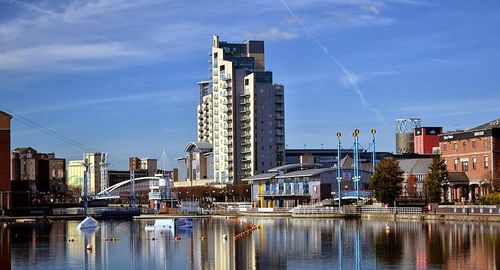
x,y
241,111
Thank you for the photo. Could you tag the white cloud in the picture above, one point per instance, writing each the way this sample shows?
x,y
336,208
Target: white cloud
x,y
169,97
270,34
40,57
373,9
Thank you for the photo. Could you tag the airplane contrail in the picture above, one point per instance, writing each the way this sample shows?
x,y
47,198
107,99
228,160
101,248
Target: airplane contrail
x,y
346,72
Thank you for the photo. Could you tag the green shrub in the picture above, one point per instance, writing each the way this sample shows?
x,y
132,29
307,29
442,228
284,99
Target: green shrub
x,y
492,199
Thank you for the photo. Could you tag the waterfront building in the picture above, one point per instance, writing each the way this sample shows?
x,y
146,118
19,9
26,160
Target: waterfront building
x,y
426,139
150,165
36,176
304,183
146,164
197,164
241,111
473,159
5,173
76,171
117,176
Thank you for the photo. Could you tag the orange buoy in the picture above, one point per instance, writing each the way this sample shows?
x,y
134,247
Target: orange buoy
x,y
177,238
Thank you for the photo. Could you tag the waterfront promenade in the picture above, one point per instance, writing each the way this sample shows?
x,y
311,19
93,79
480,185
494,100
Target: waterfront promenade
x,y
443,213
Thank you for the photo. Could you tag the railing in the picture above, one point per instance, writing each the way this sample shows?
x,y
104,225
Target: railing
x,y
285,193
468,209
316,210
356,210
266,210
391,210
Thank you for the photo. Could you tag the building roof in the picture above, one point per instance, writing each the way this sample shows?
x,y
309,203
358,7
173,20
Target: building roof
x,y
458,178
23,150
293,166
201,146
492,124
4,113
415,166
262,176
306,173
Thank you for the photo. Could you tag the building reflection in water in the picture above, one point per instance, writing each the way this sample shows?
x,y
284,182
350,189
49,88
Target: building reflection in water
x,y
280,243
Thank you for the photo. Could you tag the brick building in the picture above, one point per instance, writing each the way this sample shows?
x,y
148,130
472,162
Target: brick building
x,y
472,159
36,177
4,160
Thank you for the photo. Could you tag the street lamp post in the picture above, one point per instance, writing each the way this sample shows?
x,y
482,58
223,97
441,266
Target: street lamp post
x,y
373,131
339,177
356,163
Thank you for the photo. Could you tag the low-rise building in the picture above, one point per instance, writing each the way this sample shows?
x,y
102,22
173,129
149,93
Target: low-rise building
x,y
415,171
303,183
473,153
197,164
117,176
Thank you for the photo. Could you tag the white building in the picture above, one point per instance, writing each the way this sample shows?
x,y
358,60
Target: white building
x,y
241,112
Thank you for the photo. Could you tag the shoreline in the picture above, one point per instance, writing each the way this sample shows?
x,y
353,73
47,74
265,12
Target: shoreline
x,y
366,216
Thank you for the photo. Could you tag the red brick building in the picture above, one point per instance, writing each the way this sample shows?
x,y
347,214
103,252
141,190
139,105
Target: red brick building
x,y
472,159
4,160
425,139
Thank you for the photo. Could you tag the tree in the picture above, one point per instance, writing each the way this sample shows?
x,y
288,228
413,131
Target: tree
x,y
386,180
437,176
411,185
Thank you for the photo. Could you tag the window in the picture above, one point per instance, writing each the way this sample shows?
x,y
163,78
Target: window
x,y
455,164
444,147
455,146
465,166
465,145
486,162
485,143
474,161
473,144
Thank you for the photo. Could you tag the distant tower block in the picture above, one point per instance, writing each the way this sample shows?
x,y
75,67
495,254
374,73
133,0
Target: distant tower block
x,y
404,134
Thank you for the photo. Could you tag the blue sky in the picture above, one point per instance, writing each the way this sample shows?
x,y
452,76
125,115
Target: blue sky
x,y
121,76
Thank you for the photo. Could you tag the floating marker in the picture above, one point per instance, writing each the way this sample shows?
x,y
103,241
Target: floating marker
x,y
89,247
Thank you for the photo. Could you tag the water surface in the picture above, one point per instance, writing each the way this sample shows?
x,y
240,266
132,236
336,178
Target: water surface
x,y
280,243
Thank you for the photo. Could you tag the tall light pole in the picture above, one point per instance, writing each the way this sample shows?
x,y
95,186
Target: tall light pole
x,y
132,187
339,177
373,131
356,163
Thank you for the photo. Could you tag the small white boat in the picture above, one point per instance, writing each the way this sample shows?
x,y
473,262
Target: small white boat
x,y
161,225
